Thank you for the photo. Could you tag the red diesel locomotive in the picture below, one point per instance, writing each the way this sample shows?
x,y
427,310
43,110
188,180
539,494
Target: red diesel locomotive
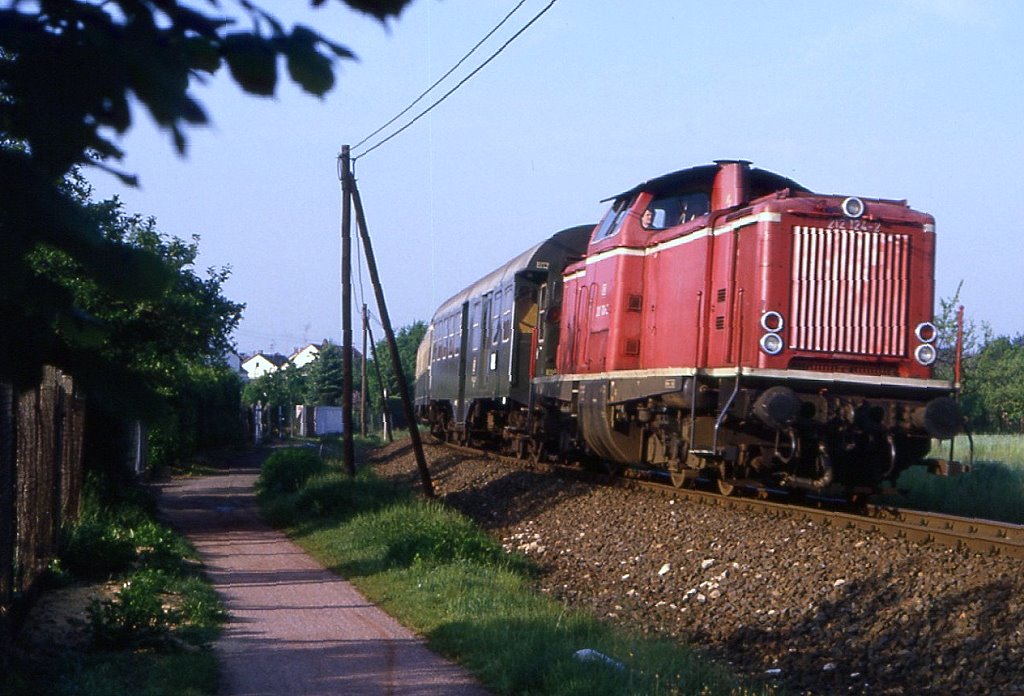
x,y
720,322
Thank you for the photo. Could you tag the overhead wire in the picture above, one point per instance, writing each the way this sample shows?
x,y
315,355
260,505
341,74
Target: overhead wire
x,y
458,85
441,79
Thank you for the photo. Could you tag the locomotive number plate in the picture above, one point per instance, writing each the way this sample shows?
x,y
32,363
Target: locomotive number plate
x,y
854,225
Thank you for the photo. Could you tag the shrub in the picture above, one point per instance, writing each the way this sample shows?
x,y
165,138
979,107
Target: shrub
x,y
137,616
286,470
93,548
427,533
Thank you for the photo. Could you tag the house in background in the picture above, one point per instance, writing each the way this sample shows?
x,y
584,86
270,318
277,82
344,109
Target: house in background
x,y
263,364
301,357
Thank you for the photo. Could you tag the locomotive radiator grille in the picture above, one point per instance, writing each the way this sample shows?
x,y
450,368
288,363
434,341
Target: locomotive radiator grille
x,y
849,291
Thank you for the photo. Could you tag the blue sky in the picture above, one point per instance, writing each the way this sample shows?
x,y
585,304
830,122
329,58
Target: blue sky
x,y
908,99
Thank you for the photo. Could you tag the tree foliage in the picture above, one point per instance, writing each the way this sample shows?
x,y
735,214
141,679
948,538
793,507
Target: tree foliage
x,y
994,386
283,388
325,376
70,71
159,356
139,348
992,370
408,339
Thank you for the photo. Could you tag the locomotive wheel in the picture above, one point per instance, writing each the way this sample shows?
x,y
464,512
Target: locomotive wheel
x,y
723,487
722,484
522,449
536,450
678,478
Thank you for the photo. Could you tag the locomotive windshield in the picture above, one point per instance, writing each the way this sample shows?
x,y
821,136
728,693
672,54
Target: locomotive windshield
x,y
613,219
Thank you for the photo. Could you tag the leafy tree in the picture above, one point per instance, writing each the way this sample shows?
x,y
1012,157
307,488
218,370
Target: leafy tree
x,y
325,376
408,339
145,343
974,336
285,388
160,356
994,386
992,371
67,69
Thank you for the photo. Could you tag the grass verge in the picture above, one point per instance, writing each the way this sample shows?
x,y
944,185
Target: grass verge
x,y
148,620
437,573
993,490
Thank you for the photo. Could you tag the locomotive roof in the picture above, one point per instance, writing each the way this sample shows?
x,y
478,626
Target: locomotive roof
x,y
571,241
702,178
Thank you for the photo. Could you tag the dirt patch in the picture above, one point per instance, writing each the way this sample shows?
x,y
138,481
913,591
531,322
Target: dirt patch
x,y
59,619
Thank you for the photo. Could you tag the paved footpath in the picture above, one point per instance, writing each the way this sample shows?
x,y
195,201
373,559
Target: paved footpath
x,y
295,628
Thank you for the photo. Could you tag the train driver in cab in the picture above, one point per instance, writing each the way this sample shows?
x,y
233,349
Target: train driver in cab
x,y
647,219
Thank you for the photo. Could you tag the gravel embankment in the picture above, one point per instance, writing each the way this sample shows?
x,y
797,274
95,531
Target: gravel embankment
x,y
813,609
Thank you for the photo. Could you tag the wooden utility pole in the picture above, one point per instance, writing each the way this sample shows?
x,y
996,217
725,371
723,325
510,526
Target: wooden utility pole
x,y
396,363
362,375
348,448
382,392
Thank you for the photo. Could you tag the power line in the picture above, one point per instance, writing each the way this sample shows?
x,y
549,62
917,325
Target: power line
x,y
461,82
455,67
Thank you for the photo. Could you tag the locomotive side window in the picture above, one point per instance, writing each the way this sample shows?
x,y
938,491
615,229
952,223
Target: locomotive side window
x,y
612,220
670,211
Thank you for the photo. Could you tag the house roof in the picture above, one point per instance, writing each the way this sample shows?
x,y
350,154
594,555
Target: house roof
x,y
274,358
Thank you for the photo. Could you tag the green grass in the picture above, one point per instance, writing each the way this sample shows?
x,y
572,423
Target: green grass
x,y
994,489
152,637
437,573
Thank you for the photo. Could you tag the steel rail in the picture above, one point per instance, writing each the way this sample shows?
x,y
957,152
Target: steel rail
x,y
971,534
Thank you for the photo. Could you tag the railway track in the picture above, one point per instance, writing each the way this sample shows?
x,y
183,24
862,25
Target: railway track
x,y
981,536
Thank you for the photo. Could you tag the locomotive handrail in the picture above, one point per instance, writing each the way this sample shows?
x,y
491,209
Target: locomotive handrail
x,y
725,409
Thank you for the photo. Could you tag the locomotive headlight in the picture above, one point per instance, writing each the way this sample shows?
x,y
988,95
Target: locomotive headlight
x,y
772,321
925,354
771,343
853,207
926,332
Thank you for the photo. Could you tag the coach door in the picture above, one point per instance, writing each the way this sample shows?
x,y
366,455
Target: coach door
x,y
463,340
488,374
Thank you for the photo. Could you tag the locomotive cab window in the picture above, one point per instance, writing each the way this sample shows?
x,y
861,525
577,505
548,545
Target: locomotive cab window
x,y
679,209
612,220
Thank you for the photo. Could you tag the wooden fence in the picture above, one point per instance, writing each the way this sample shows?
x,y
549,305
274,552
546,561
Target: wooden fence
x,y
41,477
